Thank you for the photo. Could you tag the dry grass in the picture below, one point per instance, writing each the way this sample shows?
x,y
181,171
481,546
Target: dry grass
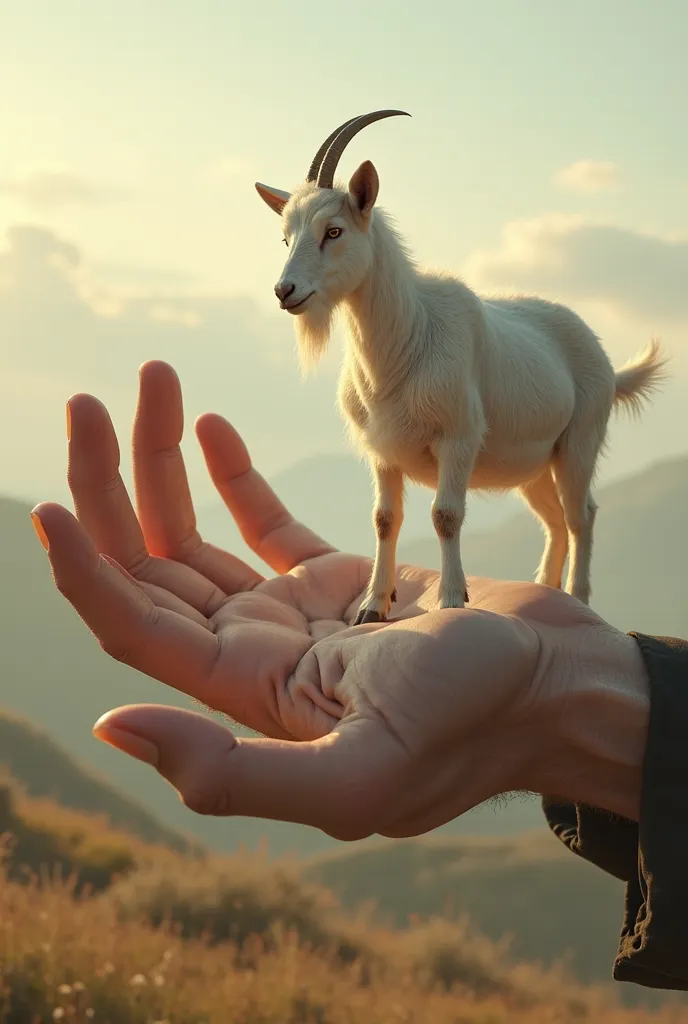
x,y
42,834
68,958
554,905
65,956
239,940
232,898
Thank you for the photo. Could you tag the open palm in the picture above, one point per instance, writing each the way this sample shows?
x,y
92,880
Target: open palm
x,y
369,728
198,618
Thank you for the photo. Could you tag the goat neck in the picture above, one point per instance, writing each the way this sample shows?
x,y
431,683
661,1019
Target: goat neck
x,y
385,312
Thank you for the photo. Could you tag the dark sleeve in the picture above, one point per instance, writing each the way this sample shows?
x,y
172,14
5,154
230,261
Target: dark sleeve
x,y
650,857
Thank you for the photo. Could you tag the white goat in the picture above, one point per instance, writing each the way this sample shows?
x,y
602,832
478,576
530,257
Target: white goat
x,y
450,390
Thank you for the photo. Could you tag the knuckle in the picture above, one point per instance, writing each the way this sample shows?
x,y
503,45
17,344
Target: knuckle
x,y
354,814
202,801
115,650
349,832
72,478
62,586
129,643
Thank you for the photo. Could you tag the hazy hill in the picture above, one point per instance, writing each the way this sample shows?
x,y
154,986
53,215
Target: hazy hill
x,y
44,769
551,903
40,838
546,904
640,559
245,932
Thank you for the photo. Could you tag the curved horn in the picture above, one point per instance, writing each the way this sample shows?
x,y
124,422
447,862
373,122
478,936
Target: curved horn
x,y
337,147
318,158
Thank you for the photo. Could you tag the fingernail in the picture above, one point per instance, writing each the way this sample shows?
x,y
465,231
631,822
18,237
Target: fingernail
x,y
40,532
69,423
128,743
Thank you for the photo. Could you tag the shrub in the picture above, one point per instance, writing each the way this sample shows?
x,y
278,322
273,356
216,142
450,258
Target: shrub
x,y
231,899
71,958
45,839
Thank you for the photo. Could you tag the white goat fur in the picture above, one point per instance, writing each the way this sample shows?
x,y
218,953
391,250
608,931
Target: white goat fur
x,y
453,391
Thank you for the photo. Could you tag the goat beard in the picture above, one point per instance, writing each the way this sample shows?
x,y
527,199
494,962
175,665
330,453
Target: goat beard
x,y
313,328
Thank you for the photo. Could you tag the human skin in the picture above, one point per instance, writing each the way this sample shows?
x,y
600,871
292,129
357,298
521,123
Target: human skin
x,y
387,728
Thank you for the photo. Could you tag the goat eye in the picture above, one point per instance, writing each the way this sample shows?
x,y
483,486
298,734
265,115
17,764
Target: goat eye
x,y
334,232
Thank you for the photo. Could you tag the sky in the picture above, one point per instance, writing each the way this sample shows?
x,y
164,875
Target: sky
x,y
546,152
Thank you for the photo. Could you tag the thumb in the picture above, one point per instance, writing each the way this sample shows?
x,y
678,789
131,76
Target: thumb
x,y
339,783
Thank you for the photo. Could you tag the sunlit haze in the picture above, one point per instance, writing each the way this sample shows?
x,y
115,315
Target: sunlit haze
x,y
546,152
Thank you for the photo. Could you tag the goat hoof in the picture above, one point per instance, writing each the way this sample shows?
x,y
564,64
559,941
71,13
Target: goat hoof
x,y
368,615
372,616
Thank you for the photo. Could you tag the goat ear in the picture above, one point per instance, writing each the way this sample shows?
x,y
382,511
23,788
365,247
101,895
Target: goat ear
x,y
363,187
274,197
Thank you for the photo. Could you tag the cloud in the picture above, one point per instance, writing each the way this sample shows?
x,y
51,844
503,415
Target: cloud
x,y
63,329
589,176
563,256
47,190
135,279
51,286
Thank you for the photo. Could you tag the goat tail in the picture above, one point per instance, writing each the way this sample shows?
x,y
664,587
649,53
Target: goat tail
x,y
640,378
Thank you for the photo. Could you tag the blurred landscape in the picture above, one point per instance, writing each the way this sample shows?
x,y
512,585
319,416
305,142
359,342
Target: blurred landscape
x,y
490,906
99,923
542,156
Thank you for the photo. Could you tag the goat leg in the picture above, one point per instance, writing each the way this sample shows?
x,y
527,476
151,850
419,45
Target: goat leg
x,y
455,461
387,517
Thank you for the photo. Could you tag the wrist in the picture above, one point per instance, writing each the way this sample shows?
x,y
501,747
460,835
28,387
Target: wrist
x,y
594,729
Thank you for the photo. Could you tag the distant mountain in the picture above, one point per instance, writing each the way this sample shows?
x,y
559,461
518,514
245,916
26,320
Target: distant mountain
x,y
45,770
553,906
640,557
333,494
551,903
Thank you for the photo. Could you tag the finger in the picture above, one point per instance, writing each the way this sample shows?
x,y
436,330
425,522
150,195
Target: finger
x,y
162,598
265,523
129,626
342,784
103,506
163,498
101,500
